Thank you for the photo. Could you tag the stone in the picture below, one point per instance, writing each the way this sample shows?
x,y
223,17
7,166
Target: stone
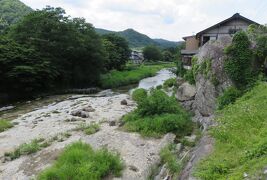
x,y
179,147
124,102
133,168
89,109
186,92
80,113
112,123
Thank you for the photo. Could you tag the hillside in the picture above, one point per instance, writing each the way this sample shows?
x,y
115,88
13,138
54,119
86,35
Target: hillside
x,y
11,11
137,40
241,144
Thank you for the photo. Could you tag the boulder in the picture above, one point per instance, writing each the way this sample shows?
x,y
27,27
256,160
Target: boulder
x,y
124,102
80,113
186,92
89,109
179,81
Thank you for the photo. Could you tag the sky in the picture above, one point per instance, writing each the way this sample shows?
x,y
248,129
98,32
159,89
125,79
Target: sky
x,y
167,19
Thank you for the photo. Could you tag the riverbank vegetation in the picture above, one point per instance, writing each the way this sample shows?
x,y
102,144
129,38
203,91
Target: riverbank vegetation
x,y
131,75
80,161
240,146
156,115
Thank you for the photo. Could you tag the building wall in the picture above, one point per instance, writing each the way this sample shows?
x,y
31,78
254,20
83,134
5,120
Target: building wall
x,y
224,30
192,43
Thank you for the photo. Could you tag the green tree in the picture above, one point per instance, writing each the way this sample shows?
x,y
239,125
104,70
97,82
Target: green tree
x,y
167,56
75,49
23,70
152,53
118,51
239,63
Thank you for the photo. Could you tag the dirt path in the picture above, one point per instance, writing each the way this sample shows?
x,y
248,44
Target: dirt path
x,y
137,153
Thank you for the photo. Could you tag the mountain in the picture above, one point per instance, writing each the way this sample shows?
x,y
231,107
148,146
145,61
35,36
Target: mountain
x,y
139,40
11,11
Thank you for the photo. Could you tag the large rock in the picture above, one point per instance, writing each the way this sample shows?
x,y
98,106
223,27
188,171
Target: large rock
x,y
186,92
207,90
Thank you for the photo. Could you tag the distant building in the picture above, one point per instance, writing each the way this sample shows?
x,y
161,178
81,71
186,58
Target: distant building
x,y
227,27
137,57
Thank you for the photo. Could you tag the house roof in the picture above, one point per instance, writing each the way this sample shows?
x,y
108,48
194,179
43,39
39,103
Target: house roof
x,y
186,37
235,16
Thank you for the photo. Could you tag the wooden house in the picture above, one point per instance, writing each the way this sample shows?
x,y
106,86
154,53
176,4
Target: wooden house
x,y
227,27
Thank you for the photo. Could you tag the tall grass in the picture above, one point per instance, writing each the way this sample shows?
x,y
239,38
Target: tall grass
x,y
4,125
131,75
241,143
80,161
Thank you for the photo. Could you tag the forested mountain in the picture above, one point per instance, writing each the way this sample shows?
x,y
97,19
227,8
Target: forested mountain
x,y
137,40
11,11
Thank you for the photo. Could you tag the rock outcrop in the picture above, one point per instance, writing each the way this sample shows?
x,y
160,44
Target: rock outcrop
x,y
210,85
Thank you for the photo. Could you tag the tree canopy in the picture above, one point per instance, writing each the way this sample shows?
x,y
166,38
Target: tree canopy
x,y
152,53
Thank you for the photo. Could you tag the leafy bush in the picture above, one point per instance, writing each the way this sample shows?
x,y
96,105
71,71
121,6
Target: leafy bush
x,y
4,125
158,114
80,161
139,94
239,63
228,97
240,141
152,53
189,76
169,83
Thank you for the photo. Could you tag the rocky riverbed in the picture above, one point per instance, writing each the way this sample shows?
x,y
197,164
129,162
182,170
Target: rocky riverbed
x,y
139,154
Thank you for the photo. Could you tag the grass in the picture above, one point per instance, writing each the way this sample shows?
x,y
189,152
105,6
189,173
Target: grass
x,y
26,149
131,75
241,144
35,146
4,125
88,129
169,157
156,115
80,161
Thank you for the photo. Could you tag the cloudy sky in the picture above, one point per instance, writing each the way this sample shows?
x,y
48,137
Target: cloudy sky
x,y
168,19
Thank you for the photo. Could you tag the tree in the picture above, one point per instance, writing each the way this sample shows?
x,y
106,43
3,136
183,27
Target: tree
x,y
118,51
168,56
152,53
23,70
74,48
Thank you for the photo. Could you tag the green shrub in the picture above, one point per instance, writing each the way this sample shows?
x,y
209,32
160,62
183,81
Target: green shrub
x,y
139,94
159,87
80,161
158,114
4,125
169,83
228,97
238,66
240,139
189,76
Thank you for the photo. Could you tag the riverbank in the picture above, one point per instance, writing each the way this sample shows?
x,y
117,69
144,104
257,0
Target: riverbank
x,y
53,126
131,75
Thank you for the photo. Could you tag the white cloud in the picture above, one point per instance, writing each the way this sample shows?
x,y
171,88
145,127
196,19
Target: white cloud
x,y
169,19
